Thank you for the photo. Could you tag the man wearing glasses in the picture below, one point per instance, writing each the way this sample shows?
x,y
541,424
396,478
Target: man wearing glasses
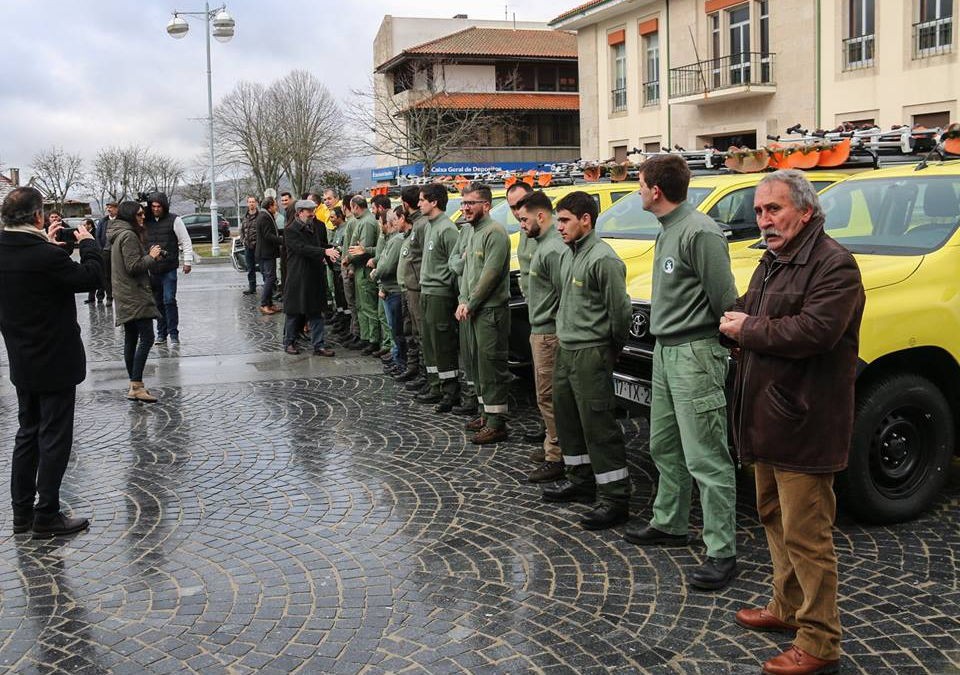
x,y
487,291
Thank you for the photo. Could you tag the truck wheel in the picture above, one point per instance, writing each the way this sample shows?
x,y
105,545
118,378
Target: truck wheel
x,y
900,452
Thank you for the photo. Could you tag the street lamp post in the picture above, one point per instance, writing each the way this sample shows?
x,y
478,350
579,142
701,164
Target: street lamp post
x,y
223,30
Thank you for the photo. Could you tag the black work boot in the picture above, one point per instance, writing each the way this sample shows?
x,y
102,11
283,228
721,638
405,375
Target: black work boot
x,y
606,515
714,573
22,521
565,491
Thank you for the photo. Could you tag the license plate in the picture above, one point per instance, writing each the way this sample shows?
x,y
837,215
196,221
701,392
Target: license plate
x,y
632,391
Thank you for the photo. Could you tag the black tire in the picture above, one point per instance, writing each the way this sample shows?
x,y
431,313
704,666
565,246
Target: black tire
x,y
220,237
900,452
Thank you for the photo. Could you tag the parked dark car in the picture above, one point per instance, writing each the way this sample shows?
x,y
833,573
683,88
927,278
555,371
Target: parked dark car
x,y
198,227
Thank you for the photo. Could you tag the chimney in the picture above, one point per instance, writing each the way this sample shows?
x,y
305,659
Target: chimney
x,y
15,176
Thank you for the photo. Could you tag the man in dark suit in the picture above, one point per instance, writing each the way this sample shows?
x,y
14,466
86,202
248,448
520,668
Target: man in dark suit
x,y
38,320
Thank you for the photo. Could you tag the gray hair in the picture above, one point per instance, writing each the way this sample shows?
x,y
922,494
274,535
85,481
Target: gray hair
x,y
802,193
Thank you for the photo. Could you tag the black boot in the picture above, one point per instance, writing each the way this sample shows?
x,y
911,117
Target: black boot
x,y
565,491
714,574
607,514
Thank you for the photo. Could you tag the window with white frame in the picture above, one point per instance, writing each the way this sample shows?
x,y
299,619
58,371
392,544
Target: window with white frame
x,y
933,33
651,69
859,43
618,53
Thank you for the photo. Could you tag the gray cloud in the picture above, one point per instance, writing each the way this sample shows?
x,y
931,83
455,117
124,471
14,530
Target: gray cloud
x,y
85,75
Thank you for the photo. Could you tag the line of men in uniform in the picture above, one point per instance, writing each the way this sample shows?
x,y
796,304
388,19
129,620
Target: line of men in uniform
x,y
455,285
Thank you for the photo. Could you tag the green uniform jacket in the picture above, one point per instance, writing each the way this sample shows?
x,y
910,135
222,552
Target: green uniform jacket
x,y
435,275
364,233
487,267
385,272
411,253
594,306
348,227
544,284
692,282
525,248
458,260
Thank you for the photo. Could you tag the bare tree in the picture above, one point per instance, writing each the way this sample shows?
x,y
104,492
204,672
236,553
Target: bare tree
x,y
196,188
310,125
246,129
117,174
419,126
56,172
162,172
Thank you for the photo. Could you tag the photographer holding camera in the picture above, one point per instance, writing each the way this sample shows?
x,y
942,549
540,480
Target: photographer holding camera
x,y
135,306
38,319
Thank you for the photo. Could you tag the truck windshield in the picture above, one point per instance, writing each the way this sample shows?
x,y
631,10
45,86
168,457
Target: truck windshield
x,y
627,220
893,216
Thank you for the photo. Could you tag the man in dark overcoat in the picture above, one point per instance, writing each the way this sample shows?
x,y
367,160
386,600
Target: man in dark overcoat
x,y
38,319
305,290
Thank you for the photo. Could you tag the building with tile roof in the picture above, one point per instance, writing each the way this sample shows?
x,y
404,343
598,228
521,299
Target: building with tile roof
x,y
517,83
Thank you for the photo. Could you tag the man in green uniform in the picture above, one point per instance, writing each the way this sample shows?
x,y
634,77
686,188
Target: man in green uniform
x,y
408,272
385,274
468,390
525,248
593,321
535,214
364,239
346,271
692,288
380,205
487,282
438,299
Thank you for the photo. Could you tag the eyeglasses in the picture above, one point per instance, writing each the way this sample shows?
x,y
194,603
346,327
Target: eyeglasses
x,y
466,202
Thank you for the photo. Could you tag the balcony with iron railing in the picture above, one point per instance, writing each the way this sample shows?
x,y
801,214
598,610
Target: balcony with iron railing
x,y
618,99
932,38
858,52
725,78
651,93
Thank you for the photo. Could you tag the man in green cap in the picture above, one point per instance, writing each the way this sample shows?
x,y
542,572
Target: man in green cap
x,y
593,322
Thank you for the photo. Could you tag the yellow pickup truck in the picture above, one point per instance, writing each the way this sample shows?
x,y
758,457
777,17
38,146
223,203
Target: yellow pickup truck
x,y
901,224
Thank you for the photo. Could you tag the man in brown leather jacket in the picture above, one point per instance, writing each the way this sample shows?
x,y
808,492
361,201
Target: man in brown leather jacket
x,y
797,330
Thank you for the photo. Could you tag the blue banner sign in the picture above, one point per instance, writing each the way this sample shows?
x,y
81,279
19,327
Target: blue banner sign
x,y
457,168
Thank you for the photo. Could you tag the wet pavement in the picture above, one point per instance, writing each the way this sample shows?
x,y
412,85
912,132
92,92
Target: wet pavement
x,y
279,514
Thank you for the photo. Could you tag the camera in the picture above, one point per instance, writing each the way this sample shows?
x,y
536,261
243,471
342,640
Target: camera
x,y
66,235
163,254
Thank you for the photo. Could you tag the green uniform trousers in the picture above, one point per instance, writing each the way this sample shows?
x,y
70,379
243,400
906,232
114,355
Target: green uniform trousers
x,y
688,441
491,332
468,391
386,335
441,345
412,327
590,436
366,291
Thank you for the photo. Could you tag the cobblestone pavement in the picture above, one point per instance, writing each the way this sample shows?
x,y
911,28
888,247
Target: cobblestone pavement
x,y
277,514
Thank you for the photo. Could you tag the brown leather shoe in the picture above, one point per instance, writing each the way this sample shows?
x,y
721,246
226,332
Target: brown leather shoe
x,y
488,435
267,309
476,424
760,619
324,352
291,349
795,661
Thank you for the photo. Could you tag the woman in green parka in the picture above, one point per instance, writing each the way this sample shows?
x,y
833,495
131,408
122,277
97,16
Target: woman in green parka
x,y
135,309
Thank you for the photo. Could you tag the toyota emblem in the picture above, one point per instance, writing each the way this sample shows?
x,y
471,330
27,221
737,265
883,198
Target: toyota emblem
x,y
639,326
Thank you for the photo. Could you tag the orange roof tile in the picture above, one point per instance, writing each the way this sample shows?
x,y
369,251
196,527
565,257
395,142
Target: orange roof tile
x,y
495,42
502,101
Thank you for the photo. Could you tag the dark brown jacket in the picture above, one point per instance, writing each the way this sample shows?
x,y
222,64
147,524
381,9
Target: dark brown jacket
x,y
794,392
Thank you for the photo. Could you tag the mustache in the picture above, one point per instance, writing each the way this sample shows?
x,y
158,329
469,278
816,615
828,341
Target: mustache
x,y
770,233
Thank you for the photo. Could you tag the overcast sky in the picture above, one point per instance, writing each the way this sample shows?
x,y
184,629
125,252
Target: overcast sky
x,y
92,73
